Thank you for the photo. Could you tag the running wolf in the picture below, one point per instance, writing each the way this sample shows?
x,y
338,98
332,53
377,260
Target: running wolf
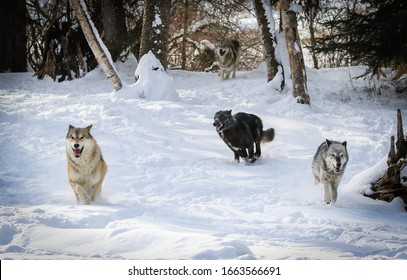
x,y
241,132
328,167
228,57
86,167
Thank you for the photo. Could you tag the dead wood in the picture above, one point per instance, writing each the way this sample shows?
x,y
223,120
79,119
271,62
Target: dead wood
x,y
391,185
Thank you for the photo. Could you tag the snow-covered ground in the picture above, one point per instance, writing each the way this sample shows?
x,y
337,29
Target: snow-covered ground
x,y
173,191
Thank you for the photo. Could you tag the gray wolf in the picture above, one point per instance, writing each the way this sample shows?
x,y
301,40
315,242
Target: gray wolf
x,y
328,166
228,56
86,166
242,132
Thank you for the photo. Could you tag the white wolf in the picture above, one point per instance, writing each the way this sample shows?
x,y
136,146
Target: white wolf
x,y
328,167
86,167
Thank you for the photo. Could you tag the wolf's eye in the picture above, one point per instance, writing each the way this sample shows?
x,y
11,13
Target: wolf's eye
x,y
81,137
72,137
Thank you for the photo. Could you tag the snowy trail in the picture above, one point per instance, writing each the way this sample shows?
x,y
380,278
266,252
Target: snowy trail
x,y
173,191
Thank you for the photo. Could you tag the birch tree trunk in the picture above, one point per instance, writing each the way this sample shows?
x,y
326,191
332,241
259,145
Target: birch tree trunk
x,y
298,74
265,22
95,43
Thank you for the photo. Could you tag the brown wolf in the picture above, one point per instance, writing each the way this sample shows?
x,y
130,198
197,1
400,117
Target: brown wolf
x,y
86,166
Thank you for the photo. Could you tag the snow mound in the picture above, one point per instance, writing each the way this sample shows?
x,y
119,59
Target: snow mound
x,y
172,190
153,82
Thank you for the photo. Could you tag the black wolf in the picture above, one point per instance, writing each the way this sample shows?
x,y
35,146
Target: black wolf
x,y
241,132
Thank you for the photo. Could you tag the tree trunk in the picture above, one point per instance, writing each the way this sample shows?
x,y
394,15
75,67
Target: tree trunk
x,y
114,26
298,73
184,35
13,49
266,25
154,36
95,43
312,36
390,185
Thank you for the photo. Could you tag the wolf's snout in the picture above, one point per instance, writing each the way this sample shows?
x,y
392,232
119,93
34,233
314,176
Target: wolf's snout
x,y
338,167
222,52
76,145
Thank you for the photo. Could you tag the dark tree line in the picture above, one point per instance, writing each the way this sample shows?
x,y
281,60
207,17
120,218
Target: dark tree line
x,y
13,46
46,36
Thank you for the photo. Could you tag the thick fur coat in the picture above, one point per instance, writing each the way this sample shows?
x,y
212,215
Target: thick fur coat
x,y
328,167
86,166
228,57
242,133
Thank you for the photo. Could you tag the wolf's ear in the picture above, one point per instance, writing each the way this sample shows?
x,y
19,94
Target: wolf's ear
x,y
229,111
89,127
344,143
70,127
328,142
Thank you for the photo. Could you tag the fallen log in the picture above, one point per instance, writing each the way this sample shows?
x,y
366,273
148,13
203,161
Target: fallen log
x,y
392,184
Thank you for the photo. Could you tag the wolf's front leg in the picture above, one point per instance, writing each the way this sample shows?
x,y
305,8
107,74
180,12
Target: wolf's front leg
x,y
227,74
222,74
243,154
327,193
234,70
334,193
82,195
237,157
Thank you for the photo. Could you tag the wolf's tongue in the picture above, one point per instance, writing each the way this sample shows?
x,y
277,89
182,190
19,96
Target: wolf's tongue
x,y
77,152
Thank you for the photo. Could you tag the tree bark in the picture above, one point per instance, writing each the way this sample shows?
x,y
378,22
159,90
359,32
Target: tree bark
x,y
390,185
184,35
312,15
95,43
267,31
154,36
13,50
297,65
114,26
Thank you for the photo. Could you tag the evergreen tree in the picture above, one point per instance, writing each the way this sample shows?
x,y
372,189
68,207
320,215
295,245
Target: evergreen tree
x,y
371,32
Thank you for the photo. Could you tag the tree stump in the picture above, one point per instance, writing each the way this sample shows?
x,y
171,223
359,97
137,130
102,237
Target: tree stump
x,y
392,184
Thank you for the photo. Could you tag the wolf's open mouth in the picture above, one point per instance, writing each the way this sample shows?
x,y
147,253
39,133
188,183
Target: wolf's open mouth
x,y
77,152
219,127
337,169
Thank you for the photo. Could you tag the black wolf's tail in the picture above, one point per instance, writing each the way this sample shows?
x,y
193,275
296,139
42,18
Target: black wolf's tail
x,y
268,135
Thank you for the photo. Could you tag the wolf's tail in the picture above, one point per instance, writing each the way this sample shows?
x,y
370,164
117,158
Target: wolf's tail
x,y
268,135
